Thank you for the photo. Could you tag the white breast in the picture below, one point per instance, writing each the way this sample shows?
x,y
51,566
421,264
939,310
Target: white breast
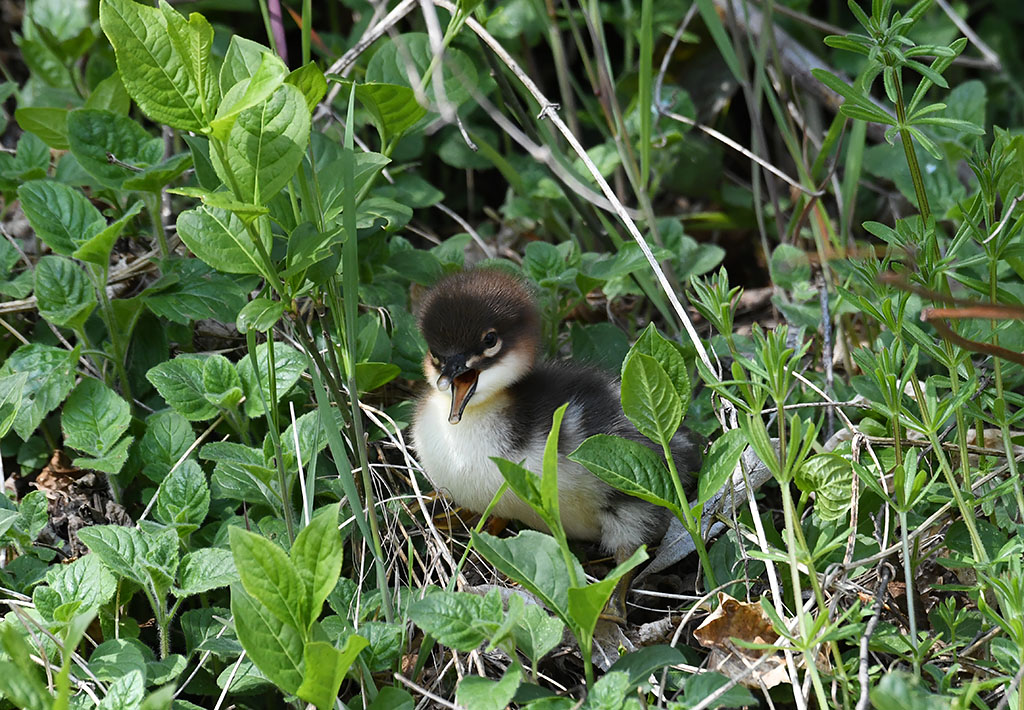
x,y
456,459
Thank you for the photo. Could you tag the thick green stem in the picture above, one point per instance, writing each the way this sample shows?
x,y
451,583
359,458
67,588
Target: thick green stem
x,y
690,522
908,149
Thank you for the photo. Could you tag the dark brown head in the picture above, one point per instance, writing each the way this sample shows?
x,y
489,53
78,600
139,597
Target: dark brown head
x,y
483,330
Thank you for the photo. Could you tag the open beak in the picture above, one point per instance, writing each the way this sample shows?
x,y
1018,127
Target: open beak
x,y
462,380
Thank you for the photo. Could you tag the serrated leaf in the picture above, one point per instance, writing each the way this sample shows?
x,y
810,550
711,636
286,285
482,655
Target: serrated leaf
x,y
60,215
653,343
12,388
94,418
629,467
326,667
534,560
221,385
190,290
158,76
85,580
168,436
180,383
259,314
50,124
63,292
184,496
290,364
93,135
50,376
486,694
459,620
274,646
265,146
248,92
205,569
830,477
649,398
219,238
97,247
719,464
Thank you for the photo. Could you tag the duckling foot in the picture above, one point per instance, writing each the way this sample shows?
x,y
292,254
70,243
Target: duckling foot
x,y
615,608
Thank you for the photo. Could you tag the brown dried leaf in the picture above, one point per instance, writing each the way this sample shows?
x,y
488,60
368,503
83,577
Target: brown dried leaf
x,y
738,620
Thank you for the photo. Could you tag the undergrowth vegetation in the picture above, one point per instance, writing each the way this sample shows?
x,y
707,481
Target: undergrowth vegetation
x,y
795,226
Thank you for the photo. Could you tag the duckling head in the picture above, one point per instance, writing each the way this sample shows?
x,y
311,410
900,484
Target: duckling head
x,y
483,331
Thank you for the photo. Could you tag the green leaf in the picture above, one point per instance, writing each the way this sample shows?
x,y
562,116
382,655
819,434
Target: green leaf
x,y
274,646
190,290
587,603
311,82
629,467
51,375
405,59
372,375
719,464
265,146
116,658
60,215
640,664
156,177
12,388
394,214
829,476
184,496
20,677
96,248
50,124
326,668
259,314
271,578
393,108
205,569
221,384
123,550
537,632
653,343
459,620
247,93
241,61
219,238
486,694
126,692
241,473
180,383
94,135
290,364
649,398
332,185
168,436
63,292
317,555
85,580
94,418
109,95
534,560
112,461
164,64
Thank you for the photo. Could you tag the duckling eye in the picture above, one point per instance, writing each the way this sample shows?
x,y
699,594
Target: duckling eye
x,y
491,339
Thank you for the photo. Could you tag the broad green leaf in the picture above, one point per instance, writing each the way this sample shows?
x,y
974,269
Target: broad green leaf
x,y
265,146
326,667
20,679
259,314
537,632
95,135
180,383
125,692
242,473
486,694
110,95
221,385
158,76
311,436
534,560
459,620
317,554
830,477
193,41
271,578
12,388
94,418
168,436
290,364
372,375
121,549
156,177
404,60
116,658
112,460
587,603
225,200
32,514
640,664
309,79
649,398
247,93
50,124
629,467
184,496
367,166
205,569
96,248
393,108
50,376
718,465
63,292
85,580
219,238
274,646
60,215
189,290
241,61
373,209
30,162
653,343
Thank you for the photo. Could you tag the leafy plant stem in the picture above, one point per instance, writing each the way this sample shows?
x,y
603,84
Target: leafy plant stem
x,y
690,521
908,577
909,151
967,513
152,200
794,570
116,336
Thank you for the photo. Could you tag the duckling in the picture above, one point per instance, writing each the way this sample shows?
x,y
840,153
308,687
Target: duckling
x,y
490,395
